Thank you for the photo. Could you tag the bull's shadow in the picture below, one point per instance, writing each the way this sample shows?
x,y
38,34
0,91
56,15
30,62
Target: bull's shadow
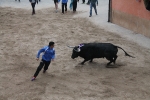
x,y
101,64
96,64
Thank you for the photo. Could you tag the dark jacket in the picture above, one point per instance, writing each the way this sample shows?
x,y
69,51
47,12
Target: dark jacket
x,y
33,1
94,1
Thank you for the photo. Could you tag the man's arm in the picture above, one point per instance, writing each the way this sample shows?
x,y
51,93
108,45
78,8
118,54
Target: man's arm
x,y
40,51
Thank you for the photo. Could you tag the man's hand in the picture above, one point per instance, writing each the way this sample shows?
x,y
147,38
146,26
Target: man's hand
x,y
37,59
52,59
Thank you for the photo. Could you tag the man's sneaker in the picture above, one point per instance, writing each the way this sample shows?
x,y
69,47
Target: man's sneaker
x,y
44,71
90,16
33,78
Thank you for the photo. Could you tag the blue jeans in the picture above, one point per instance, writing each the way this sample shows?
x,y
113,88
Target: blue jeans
x,y
71,4
94,6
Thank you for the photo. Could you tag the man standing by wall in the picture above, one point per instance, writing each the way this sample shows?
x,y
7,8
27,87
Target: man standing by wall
x,y
93,5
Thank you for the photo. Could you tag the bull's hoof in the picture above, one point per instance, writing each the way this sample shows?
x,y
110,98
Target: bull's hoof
x,y
82,63
108,64
90,61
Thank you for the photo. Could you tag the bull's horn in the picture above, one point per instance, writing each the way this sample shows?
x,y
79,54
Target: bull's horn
x,y
70,46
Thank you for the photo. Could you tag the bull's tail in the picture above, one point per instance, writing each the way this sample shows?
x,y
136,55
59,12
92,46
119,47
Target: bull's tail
x,y
126,54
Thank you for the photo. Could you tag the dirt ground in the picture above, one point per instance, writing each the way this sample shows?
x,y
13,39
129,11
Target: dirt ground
x,y
22,35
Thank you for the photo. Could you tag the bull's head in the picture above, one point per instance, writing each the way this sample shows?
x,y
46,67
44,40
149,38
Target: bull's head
x,y
75,51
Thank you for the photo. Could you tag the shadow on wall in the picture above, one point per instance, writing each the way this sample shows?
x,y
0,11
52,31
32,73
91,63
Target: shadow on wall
x,y
147,4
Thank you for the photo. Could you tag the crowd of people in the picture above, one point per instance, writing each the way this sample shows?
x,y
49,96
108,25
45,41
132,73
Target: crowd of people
x,y
73,5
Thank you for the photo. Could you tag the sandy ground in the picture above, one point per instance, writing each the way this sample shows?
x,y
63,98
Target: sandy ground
x,y
22,35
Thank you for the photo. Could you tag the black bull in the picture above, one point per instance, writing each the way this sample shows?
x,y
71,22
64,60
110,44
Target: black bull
x,y
89,51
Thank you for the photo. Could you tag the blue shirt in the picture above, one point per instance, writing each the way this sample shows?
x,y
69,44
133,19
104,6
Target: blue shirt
x,y
48,53
94,1
64,1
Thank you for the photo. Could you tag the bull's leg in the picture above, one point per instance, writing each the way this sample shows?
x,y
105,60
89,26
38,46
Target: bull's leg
x,y
91,60
110,59
84,61
109,63
115,57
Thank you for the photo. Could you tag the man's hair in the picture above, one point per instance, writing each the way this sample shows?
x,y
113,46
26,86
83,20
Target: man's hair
x,y
51,43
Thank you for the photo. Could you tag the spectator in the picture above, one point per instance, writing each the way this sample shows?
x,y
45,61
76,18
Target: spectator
x,y
18,0
74,5
83,1
93,5
56,4
33,2
64,5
